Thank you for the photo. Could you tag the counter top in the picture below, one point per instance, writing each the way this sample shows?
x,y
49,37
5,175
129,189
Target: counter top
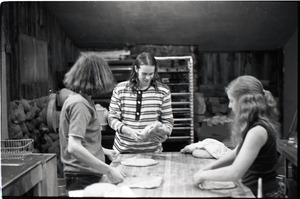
x,y
37,171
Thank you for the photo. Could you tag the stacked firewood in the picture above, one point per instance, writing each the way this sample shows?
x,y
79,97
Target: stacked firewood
x,y
28,120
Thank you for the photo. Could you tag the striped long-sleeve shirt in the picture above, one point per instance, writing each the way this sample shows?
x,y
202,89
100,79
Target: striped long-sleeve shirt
x,y
137,110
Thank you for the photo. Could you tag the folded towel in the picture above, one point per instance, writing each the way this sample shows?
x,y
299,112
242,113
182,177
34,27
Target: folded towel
x,y
214,147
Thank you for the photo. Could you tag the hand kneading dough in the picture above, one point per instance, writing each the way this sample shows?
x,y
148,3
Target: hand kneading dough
x,y
107,190
139,162
217,185
143,182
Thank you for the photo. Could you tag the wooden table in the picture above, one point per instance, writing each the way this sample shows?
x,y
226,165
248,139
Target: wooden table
x,y
177,170
37,172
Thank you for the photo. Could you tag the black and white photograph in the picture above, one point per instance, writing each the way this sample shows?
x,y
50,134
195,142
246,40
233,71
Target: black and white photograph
x,y
140,99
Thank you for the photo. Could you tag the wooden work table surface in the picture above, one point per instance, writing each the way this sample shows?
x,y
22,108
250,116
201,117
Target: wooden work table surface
x,y
177,171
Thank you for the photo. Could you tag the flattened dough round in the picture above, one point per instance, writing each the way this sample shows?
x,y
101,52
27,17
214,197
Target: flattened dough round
x,y
139,162
217,185
143,182
106,190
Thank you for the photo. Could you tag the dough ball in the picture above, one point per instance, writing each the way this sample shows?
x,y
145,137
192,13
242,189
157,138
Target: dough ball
x,y
201,153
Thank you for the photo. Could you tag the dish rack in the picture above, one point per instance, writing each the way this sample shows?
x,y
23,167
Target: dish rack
x,y
16,149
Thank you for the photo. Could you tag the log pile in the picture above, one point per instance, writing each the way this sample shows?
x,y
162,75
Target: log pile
x,y
28,120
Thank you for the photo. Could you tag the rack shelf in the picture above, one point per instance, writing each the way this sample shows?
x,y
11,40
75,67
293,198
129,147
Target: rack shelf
x,y
162,72
177,73
178,84
180,94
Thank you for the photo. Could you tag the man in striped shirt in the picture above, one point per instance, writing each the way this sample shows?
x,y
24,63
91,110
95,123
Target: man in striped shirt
x,y
137,103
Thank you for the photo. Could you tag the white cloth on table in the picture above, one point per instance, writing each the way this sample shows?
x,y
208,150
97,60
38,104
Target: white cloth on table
x,y
214,147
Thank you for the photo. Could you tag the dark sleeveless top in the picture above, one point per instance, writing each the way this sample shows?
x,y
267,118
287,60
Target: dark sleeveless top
x,y
264,165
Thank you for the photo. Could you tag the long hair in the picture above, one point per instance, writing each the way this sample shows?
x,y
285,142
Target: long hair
x,y
144,59
90,75
253,104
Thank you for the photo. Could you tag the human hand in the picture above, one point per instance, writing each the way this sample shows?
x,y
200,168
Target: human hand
x,y
159,133
111,154
115,176
155,132
131,133
134,134
198,177
157,126
143,135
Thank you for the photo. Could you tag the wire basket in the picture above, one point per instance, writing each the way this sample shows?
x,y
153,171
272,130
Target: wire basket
x,y
16,149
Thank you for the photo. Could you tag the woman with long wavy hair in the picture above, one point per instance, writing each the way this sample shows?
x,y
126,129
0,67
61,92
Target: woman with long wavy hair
x,y
255,130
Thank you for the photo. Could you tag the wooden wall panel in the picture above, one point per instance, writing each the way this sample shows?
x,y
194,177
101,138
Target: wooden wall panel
x,y
33,58
218,69
33,20
214,70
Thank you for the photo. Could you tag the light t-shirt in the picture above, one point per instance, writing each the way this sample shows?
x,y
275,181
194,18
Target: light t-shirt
x,y
79,118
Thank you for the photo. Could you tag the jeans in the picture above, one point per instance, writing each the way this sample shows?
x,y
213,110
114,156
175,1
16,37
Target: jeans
x,y
279,193
80,181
